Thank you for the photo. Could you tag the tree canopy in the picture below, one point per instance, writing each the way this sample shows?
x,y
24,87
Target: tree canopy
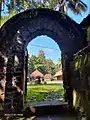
x,y
43,64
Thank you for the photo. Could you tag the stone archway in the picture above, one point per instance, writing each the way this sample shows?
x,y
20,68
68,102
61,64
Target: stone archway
x,y
17,32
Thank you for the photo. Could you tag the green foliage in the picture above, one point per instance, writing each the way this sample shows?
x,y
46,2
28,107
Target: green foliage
x,y
81,61
50,66
80,82
58,65
42,64
78,63
41,54
5,18
30,65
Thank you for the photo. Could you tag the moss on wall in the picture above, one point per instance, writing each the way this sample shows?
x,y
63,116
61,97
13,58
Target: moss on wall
x,y
81,82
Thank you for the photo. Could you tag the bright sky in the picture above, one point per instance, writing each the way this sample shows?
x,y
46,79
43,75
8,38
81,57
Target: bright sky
x,y
48,45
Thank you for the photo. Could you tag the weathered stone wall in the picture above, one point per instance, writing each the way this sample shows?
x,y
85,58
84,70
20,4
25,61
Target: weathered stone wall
x,y
80,68
3,62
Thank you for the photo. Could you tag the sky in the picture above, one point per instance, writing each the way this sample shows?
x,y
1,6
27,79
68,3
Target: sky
x,y
46,43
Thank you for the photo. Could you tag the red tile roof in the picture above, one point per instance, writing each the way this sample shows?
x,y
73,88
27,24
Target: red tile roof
x,y
36,73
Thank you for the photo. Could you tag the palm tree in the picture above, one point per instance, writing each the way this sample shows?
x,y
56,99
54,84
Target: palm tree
x,y
76,6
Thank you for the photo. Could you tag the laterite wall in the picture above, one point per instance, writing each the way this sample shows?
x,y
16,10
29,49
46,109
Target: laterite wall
x,y
80,68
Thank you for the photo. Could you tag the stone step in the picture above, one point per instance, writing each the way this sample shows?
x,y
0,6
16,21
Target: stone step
x,y
49,103
59,108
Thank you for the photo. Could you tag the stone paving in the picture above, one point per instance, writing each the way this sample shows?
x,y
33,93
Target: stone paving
x,y
48,103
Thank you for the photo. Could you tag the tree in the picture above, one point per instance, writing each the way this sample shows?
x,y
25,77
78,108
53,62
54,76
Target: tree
x,y
58,65
31,66
41,54
76,6
36,62
41,63
50,66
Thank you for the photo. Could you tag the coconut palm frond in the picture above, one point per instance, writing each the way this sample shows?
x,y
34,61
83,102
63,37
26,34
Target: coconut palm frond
x,y
81,7
73,9
77,6
83,4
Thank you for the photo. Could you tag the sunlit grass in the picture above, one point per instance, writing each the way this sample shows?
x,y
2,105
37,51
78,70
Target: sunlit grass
x,y
39,91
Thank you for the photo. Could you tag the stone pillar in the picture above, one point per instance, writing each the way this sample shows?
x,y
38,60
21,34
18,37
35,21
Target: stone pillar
x,y
22,74
19,77
9,95
13,102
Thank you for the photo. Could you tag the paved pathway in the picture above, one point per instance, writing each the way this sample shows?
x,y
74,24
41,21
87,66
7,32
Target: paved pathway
x,y
49,103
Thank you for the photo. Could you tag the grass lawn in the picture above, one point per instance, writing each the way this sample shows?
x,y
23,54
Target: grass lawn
x,y
39,91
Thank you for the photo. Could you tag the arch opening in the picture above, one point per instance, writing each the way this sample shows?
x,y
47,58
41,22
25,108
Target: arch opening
x,y
45,75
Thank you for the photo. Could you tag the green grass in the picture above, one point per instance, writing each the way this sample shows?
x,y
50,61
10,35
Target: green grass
x,y
39,91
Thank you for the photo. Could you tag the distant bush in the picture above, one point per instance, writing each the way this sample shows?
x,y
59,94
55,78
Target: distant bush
x,y
45,82
52,79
